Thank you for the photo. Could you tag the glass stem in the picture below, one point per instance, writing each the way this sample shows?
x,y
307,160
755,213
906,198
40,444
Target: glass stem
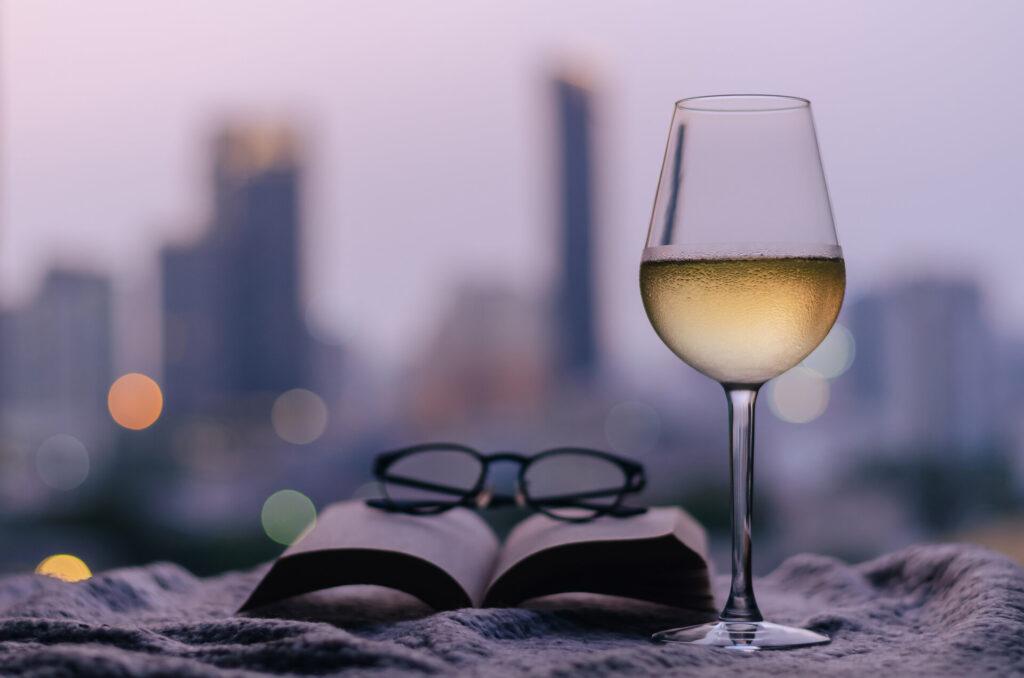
x,y
741,605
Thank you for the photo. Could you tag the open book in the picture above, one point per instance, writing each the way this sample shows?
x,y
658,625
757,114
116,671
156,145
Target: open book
x,y
453,560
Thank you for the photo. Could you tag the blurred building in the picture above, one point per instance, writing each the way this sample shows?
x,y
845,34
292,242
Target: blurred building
x,y
487,363
925,366
55,359
233,322
574,323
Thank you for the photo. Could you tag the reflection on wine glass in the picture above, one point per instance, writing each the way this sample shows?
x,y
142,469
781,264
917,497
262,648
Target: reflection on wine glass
x,y
742,278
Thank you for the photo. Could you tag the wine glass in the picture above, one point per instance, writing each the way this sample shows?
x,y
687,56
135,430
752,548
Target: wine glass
x,y
742,278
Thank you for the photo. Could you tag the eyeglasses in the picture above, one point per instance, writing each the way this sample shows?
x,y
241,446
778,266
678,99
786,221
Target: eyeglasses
x,y
567,483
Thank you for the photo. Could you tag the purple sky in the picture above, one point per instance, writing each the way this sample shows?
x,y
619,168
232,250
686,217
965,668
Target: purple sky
x,y
430,160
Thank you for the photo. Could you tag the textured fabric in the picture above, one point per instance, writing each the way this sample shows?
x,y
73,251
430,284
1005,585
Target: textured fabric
x,y
928,610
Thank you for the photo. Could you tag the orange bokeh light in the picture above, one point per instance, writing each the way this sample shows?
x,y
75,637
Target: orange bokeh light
x,y
135,401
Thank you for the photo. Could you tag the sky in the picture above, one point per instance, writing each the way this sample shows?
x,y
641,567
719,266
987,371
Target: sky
x,y
430,141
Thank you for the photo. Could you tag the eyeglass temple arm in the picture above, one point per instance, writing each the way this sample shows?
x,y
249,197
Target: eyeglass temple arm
x,y
592,494
637,478
421,484
626,511
500,500
409,505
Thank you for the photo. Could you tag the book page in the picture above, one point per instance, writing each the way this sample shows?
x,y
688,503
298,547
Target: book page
x,y
353,543
540,532
660,556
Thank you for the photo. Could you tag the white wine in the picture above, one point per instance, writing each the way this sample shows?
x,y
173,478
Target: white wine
x,y
742,320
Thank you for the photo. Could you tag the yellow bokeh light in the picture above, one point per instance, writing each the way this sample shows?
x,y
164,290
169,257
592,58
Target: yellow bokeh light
x,y
65,567
834,355
799,396
135,401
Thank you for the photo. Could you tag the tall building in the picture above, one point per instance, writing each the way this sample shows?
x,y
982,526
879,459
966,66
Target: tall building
x,y
486,363
925,365
232,318
575,305
56,358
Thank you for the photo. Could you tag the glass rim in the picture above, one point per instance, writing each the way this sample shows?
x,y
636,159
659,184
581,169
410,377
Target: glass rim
x,y
760,103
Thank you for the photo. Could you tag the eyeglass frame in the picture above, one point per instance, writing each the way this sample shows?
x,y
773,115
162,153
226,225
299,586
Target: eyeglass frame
x,y
480,496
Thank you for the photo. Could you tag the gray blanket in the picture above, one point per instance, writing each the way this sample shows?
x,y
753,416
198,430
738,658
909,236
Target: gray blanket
x,y
928,610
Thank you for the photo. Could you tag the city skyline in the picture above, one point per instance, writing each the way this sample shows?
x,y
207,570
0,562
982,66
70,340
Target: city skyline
x,y
490,125
239,424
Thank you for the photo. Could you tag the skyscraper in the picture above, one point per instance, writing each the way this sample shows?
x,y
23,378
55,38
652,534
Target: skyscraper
x,y
486,364
55,357
925,364
575,307
232,319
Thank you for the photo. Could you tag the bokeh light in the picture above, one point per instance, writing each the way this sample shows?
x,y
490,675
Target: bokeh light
x,y
65,567
135,401
632,427
834,355
799,396
62,462
299,416
370,490
286,515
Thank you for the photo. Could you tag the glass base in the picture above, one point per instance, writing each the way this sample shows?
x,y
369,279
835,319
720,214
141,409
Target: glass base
x,y
748,636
